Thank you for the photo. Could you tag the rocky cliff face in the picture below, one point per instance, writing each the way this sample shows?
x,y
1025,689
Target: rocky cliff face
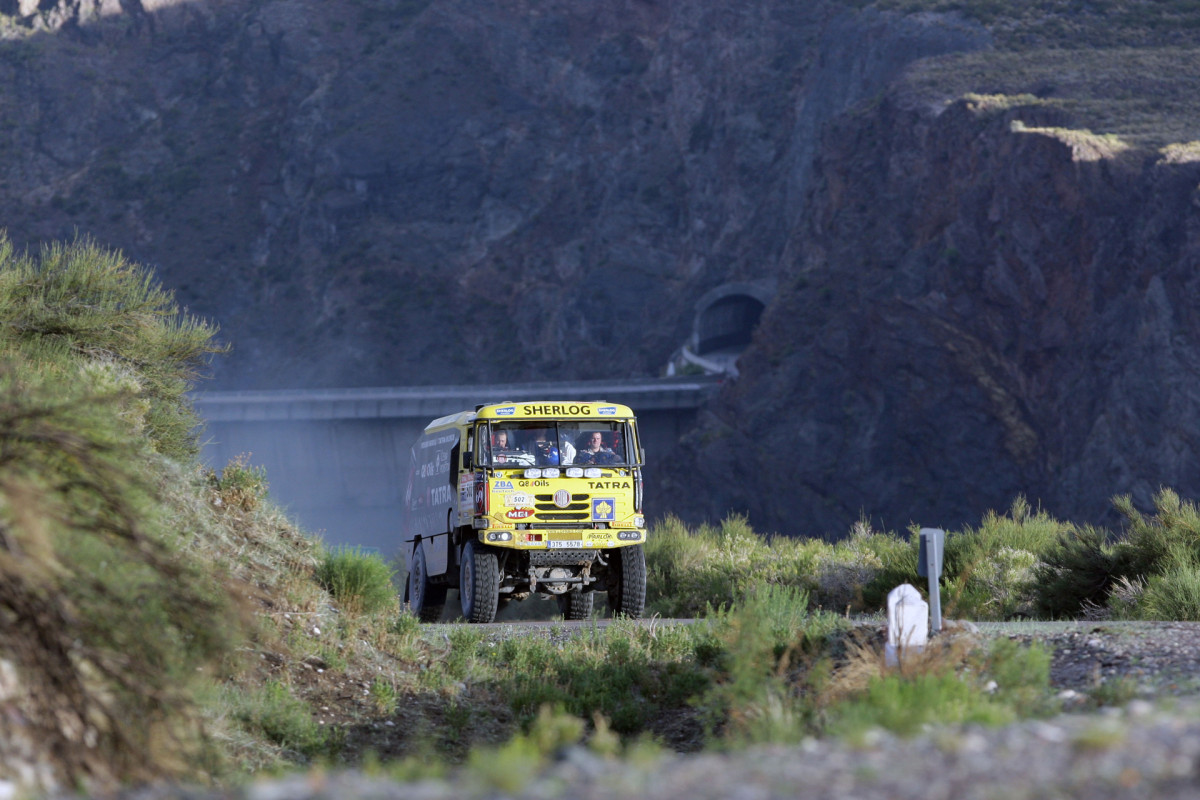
x,y
984,303
406,191
420,192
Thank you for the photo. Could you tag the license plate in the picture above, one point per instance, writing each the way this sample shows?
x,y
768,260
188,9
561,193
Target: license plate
x,y
570,544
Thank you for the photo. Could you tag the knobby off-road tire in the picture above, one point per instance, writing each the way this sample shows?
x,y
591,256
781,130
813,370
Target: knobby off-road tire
x,y
627,595
478,584
576,605
425,599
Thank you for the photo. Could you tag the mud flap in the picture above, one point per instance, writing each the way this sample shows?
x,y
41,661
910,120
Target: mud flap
x,y
437,554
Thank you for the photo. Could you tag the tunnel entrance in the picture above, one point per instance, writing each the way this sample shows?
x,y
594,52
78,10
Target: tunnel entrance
x,y
727,323
723,326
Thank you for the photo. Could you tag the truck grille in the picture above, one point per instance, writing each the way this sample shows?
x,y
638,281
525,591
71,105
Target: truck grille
x,y
545,502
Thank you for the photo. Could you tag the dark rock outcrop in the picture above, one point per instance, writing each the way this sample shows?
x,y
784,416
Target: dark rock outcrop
x,y
407,192
983,304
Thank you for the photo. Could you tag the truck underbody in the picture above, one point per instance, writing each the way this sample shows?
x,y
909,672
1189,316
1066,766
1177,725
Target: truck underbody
x,y
487,578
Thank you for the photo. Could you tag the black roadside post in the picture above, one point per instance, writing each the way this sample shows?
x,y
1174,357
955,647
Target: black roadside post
x,y
929,564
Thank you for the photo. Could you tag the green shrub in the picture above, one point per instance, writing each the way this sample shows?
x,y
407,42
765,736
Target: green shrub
x,y
1151,545
79,304
989,571
847,572
283,719
1022,562
383,693
360,582
1125,598
762,642
688,570
717,566
1147,573
898,564
627,672
1173,595
114,616
1075,574
239,485
1022,676
904,705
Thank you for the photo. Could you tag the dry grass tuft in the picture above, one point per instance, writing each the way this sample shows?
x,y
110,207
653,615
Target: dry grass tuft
x,y
1085,145
1182,153
865,662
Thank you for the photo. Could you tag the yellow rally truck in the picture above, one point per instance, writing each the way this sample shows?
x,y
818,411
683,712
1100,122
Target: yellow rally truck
x,y
513,499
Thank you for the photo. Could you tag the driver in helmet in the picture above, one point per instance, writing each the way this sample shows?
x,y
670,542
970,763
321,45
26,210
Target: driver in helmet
x,y
546,449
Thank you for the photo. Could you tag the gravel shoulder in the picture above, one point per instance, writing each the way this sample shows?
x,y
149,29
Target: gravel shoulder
x,y
1154,658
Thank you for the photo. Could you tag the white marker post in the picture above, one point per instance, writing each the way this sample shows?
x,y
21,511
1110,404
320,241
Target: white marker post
x,y
929,564
907,625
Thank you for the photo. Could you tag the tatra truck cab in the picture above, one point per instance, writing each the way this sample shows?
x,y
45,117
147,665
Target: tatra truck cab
x,y
516,498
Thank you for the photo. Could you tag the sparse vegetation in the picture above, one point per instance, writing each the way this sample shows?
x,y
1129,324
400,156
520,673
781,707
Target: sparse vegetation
x,y
1085,145
987,104
81,308
947,683
174,619
1181,153
1145,94
359,582
106,621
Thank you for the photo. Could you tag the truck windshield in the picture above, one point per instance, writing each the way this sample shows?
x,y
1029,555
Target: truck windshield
x,y
529,444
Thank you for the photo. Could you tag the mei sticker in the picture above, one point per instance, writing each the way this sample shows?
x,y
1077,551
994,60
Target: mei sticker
x,y
607,411
604,509
507,411
518,499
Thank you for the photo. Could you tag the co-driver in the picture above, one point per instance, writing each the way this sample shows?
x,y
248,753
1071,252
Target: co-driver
x,y
594,451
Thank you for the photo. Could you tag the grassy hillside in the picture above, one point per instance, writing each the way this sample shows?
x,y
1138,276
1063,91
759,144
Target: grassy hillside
x,y
108,621
165,621
1118,67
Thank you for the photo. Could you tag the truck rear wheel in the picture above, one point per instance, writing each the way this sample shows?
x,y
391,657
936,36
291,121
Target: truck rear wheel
x,y
425,599
627,593
575,605
478,584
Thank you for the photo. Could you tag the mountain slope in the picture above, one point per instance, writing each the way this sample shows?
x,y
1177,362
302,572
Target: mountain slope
x,y
437,192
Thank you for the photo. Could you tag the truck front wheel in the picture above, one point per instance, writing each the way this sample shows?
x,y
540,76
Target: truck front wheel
x,y
627,593
478,584
424,598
